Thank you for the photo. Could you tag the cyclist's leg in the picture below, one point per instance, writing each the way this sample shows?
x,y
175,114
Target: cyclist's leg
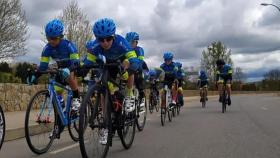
x,y
220,88
173,92
73,83
228,88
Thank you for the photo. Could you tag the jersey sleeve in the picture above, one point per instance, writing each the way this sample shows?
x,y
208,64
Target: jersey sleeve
x,y
141,53
45,59
91,55
74,56
130,54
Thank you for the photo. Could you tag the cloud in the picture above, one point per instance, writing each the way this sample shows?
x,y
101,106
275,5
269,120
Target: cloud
x,y
183,27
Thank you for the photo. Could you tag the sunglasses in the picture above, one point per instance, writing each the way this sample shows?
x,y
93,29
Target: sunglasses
x,y
107,39
53,38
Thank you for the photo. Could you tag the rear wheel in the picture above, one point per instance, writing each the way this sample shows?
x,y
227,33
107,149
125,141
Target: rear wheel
x,y
40,121
2,126
93,122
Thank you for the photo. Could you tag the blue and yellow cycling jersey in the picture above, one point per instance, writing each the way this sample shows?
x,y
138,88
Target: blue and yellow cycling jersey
x,y
169,70
120,49
202,77
65,50
158,73
180,74
226,70
224,73
139,52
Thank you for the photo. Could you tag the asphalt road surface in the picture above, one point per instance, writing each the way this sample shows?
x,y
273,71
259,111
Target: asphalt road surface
x,y
249,129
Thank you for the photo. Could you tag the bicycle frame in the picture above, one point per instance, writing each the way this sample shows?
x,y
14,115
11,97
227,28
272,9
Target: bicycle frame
x,y
53,95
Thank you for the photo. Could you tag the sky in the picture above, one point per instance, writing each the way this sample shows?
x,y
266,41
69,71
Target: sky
x,y
185,27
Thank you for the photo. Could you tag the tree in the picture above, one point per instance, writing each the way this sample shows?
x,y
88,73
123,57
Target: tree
x,y
272,75
217,50
4,67
77,27
238,75
13,29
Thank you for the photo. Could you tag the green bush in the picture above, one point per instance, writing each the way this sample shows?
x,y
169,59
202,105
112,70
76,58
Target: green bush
x,y
8,78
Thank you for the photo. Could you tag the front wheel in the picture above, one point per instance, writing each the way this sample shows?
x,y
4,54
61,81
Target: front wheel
x,y
93,122
2,126
141,115
127,131
169,113
40,120
151,104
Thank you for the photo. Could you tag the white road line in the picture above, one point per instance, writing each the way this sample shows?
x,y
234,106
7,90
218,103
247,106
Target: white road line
x,y
65,148
264,108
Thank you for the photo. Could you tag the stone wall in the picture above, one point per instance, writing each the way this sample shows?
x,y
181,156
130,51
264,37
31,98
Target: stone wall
x,y
15,97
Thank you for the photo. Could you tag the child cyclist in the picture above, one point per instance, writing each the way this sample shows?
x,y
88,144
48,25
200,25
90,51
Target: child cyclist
x,y
114,47
66,55
170,69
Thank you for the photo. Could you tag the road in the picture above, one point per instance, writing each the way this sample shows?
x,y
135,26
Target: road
x,y
250,129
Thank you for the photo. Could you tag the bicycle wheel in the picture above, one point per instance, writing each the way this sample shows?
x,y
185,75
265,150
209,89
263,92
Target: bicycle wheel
x,y
203,99
224,104
173,109
93,121
178,109
127,131
151,104
169,113
141,116
162,115
40,120
156,105
2,127
73,127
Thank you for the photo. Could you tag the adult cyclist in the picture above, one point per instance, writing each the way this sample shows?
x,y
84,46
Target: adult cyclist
x,y
170,69
202,82
223,75
114,47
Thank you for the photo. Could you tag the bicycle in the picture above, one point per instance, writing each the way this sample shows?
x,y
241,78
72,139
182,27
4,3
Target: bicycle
x,y
106,114
2,127
168,108
153,97
47,115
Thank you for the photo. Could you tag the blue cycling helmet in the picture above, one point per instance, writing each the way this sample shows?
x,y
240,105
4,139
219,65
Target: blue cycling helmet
x,y
89,44
167,56
202,73
179,65
152,72
132,36
104,28
54,28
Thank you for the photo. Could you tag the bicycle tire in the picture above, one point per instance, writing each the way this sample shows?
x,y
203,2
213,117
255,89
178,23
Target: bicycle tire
x,y
2,127
89,114
28,133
